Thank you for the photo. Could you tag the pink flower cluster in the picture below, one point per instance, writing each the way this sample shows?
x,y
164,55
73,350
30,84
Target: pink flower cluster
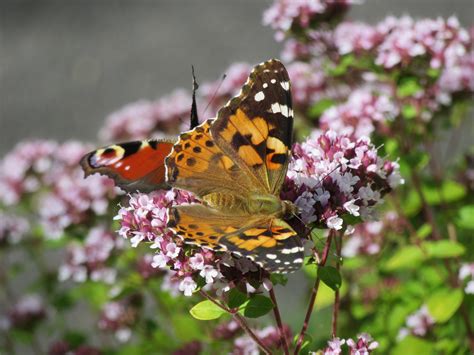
x,y
27,312
295,15
12,228
359,116
144,119
52,170
364,345
145,220
89,260
62,347
366,238
331,176
119,316
442,41
310,84
270,337
467,272
218,92
22,168
417,323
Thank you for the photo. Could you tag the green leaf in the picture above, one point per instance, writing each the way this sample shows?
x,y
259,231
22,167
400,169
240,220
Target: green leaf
x,y
407,257
326,295
278,279
236,298
424,231
466,217
413,345
206,310
459,111
319,107
307,340
433,73
450,191
343,65
412,204
330,276
409,111
187,328
257,306
408,87
443,304
444,249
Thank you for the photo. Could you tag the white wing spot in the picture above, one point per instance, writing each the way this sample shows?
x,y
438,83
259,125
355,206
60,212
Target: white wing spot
x,y
285,85
273,81
265,85
297,261
291,251
286,263
283,109
119,164
259,96
271,256
127,167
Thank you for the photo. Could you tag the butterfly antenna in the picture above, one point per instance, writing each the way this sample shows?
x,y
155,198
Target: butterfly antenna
x,y
215,92
194,114
328,174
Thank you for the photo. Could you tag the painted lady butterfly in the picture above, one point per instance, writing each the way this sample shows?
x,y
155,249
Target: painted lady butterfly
x,y
235,164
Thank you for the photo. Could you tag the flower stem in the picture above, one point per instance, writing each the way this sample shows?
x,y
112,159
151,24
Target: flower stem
x,y
239,319
276,312
335,311
314,293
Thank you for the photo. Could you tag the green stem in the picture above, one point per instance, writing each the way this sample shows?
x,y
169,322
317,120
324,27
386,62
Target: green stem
x,y
277,315
314,293
239,319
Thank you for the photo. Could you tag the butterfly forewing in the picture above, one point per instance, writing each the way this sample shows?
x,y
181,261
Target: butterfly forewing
x,y
198,165
138,165
255,128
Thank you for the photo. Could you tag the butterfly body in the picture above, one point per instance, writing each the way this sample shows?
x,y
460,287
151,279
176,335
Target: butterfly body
x,y
236,164
255,204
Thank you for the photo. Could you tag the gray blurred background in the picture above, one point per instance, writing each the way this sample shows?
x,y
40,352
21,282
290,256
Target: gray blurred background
x,y
64,65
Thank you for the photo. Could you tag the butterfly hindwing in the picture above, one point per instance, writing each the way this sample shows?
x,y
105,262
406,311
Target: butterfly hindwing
x,y
137,165
269,242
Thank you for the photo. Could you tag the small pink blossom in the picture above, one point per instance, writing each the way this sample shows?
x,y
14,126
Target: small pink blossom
x,y
417,323
286,15
187,286
364,345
